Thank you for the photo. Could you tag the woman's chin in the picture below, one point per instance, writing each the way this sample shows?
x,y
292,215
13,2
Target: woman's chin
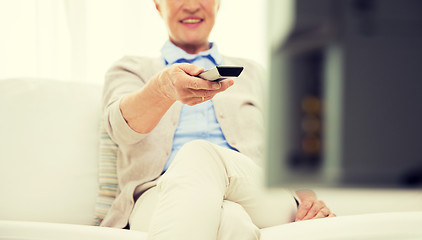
x,y
193,42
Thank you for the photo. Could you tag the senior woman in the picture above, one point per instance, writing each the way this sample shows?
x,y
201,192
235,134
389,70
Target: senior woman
x,y
190,150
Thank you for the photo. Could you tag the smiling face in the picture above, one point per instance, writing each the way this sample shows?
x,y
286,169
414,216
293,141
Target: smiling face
x,y
189,22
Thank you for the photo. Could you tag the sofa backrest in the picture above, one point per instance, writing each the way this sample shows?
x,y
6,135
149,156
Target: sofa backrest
x,y
48,150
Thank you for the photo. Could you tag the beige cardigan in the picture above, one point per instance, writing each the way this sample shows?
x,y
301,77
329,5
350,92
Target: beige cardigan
x,y
141,157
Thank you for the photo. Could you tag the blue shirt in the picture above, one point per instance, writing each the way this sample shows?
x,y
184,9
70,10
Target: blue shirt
x,y
199,121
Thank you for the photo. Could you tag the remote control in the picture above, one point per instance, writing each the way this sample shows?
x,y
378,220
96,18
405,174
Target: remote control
x,y
221,72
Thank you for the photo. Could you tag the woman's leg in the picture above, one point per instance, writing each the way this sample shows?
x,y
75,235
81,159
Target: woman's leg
x,y
143,210
191,193
235,223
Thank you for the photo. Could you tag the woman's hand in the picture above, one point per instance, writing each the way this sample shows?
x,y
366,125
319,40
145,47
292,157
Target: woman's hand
x,y
175,83
179,83
310,207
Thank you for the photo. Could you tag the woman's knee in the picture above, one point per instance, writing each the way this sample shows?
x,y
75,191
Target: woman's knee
x,y
235,223
196,163
198,145
197,152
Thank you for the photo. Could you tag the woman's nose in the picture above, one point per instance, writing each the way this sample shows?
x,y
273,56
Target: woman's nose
x,y
191,5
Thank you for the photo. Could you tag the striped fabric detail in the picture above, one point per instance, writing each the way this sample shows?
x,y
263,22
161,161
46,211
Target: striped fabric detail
x,y
107,175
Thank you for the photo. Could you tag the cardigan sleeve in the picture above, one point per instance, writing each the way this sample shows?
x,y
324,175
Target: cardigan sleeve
x,y
121,79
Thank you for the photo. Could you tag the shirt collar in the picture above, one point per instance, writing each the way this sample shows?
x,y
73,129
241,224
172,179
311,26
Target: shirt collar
x,y
171,54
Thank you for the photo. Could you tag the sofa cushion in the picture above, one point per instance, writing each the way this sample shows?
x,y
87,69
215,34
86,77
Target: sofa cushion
x,y
19,230
385,226
107,174
48,150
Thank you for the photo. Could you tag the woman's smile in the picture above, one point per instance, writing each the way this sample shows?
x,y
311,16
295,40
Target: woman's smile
x,y
192,21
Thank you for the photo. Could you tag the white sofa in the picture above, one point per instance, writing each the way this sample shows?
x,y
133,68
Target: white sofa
x,y
48,175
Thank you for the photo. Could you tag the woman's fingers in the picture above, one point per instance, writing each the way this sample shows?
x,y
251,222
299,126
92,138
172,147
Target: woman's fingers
x,y
222,86
317,206
310,207
189,79
226,83
323,213
190,69
179,82
195,96
303,209
195,100
313,210
197,83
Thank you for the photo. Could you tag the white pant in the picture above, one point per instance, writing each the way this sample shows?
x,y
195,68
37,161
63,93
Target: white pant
x,y
210,192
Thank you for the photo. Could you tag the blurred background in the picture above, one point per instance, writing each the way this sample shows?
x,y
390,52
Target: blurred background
x,y
346,94
77,40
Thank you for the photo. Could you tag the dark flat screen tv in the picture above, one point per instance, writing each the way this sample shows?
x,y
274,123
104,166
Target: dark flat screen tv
x,y
345,95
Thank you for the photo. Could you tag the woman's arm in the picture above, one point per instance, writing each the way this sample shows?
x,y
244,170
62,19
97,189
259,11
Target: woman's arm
x,y
143,109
